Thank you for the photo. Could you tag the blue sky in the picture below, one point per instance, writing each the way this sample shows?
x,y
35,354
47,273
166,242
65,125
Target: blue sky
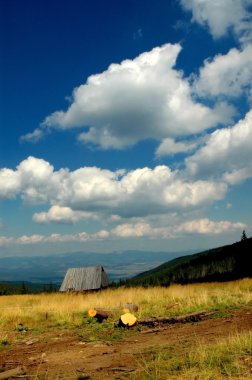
x,y
124,125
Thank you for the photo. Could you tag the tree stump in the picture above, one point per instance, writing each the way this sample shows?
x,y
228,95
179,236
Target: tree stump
x,y
129,307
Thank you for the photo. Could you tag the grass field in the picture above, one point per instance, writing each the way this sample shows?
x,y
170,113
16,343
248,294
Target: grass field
x,y
227,358
69,308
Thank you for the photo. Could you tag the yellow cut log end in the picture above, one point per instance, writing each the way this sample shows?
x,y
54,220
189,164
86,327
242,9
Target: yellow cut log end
x,y
99,314
128,319
92,312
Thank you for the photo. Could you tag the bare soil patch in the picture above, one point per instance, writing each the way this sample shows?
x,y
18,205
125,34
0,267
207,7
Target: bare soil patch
x,y
65,355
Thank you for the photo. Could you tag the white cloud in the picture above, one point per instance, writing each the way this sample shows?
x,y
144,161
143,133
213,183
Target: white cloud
x,y
9,183
196,226
135,100
37,181
54,238
32,239
34,136
75,195
59,214
227,153
169,147
206,226
147,191
132,230
222,16
4,240
129,230
229,75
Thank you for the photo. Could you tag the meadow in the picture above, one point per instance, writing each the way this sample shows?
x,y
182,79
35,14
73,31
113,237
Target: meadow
x,y
227,357
153,301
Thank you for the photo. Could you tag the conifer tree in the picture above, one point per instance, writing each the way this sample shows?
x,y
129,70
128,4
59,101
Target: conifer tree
x,y
244,236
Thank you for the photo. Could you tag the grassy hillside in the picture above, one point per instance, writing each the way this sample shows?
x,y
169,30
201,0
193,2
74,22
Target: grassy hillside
x,y
229,262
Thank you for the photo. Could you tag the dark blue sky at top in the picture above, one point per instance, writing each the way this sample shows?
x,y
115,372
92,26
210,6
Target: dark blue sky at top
x,y
50,47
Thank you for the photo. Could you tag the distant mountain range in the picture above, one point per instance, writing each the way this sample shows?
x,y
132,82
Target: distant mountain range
x,y
17,274
46,269
229,262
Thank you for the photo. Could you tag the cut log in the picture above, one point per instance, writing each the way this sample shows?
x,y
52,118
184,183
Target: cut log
x,y
193,317
129,307
99,314
127,320
12,372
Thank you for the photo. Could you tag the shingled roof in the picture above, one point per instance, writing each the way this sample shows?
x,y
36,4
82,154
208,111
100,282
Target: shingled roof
x,y
80,279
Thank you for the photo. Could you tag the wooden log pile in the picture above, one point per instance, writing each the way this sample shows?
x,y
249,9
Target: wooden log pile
x,y
128,319
99,314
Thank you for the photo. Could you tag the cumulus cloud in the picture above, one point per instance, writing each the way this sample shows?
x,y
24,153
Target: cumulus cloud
x,y
222,16
169,147
143,98
229,75
53,238
128,230
59,214
34,136
9,183
196,226
89,190
227,154
206,226
132,230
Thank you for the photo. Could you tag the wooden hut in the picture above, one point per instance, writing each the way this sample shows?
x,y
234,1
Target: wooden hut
x,y
83,279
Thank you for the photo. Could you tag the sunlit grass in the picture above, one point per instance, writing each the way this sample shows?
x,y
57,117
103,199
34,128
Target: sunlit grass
x,y
24,315
229,358
64,308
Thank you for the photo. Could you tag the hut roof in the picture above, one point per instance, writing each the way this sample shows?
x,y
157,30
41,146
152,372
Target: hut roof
x,y
90,278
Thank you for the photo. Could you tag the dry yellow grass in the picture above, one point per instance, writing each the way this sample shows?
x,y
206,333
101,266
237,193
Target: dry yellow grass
x,y
42,312
227,358
156,301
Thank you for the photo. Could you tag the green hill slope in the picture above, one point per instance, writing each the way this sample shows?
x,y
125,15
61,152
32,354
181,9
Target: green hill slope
x,y
25,287
220,264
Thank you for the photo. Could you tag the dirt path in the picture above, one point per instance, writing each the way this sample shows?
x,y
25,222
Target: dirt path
x,y
65,356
